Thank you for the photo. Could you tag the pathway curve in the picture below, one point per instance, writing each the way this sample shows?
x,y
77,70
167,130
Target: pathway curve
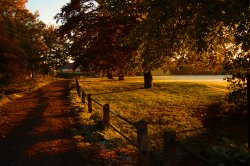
x,y
35,129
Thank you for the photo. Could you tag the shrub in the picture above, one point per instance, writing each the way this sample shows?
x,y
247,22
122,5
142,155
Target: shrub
x,y
229,154
237,64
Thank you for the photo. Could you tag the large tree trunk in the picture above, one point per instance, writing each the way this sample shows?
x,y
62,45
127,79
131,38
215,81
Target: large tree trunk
x,y
148,79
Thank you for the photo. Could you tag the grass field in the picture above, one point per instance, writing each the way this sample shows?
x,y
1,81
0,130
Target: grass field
x,y
178,105
181,105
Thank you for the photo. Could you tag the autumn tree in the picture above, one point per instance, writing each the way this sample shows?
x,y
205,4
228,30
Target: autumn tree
x,y
237,61
12,57
215,34
231,22
56,54
192,32
95,32
33,43
237,64
196,32
21,40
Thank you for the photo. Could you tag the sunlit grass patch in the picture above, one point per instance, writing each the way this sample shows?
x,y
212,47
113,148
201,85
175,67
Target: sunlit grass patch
x,y
179,105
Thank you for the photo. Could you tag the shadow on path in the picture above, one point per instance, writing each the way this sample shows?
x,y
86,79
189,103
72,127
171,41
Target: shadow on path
x,y
35,129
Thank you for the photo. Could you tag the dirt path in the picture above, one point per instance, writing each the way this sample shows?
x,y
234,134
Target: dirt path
x,y
35,129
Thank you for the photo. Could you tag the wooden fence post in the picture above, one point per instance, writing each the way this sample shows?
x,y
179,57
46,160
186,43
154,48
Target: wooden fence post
x,y
89,103
142,135
248,107
83,97
169,155
106,115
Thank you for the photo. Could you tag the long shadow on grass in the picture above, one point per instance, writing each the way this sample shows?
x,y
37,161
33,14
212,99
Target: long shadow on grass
x,y
108,80
120,91
87,124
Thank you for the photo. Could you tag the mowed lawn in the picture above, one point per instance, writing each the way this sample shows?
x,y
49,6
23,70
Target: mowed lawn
x,y
180,105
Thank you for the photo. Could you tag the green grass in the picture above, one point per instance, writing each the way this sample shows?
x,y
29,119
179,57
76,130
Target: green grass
x,y
189,107
178,105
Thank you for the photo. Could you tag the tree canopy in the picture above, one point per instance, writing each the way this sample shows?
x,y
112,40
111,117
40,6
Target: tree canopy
x,y
57,52
154,29
95,34
20,41
24,43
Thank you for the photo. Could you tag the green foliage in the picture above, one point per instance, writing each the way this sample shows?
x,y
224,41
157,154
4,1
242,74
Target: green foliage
x,y
230,154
